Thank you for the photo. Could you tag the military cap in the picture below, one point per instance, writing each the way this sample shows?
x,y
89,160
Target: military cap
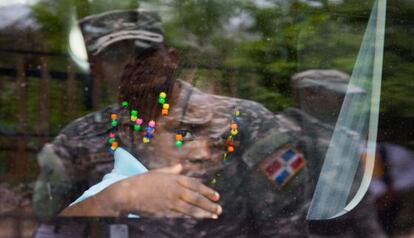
x,y
332,80
103,30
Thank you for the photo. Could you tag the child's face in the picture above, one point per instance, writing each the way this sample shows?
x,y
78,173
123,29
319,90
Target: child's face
x,y
203,136
200,155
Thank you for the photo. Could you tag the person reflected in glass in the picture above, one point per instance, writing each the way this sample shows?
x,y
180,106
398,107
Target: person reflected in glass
x,y
205,177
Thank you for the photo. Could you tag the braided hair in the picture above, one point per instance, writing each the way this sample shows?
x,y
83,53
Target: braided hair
x,y
144,76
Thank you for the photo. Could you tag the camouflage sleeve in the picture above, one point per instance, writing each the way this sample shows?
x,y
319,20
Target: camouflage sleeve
x,y
58,182
53,183
64,163
76,158
278,200
279,209
256,121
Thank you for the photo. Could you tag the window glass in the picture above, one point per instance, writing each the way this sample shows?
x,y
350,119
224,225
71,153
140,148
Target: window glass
x,y
297,113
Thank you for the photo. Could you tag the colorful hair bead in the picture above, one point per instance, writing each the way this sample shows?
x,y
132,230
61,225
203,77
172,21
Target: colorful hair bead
x,y
162,97
137,127
161,100
237,120
230,145
225,157
149,130
165,106
137,123
178,143
234,126
234,132
134,113
178,139
114,118
111,138
236,117
114,144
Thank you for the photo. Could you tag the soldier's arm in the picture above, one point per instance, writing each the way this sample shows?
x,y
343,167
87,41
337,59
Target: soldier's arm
x,y
277,192
64,163
277,200
54,188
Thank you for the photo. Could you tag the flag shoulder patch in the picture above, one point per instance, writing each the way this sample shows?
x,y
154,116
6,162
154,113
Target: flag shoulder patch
x,y
282,165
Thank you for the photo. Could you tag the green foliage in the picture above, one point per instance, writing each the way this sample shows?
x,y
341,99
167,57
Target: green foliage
x,y
56,16
265,43
8,103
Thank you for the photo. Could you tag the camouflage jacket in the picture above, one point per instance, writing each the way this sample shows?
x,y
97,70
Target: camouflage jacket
x,y
253,205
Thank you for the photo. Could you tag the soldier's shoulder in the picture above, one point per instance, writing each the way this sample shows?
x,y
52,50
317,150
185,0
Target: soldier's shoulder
x,y
291,119
227,103
97,122
247,108
253,106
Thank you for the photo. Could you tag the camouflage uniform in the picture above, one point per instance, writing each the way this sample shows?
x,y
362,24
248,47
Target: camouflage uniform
x,y
78,158
139,26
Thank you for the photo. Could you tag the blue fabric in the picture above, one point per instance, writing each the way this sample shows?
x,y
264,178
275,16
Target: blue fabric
x,y
125,165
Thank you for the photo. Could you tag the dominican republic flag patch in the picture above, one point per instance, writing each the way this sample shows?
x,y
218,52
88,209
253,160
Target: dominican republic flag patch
x,y
282,165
